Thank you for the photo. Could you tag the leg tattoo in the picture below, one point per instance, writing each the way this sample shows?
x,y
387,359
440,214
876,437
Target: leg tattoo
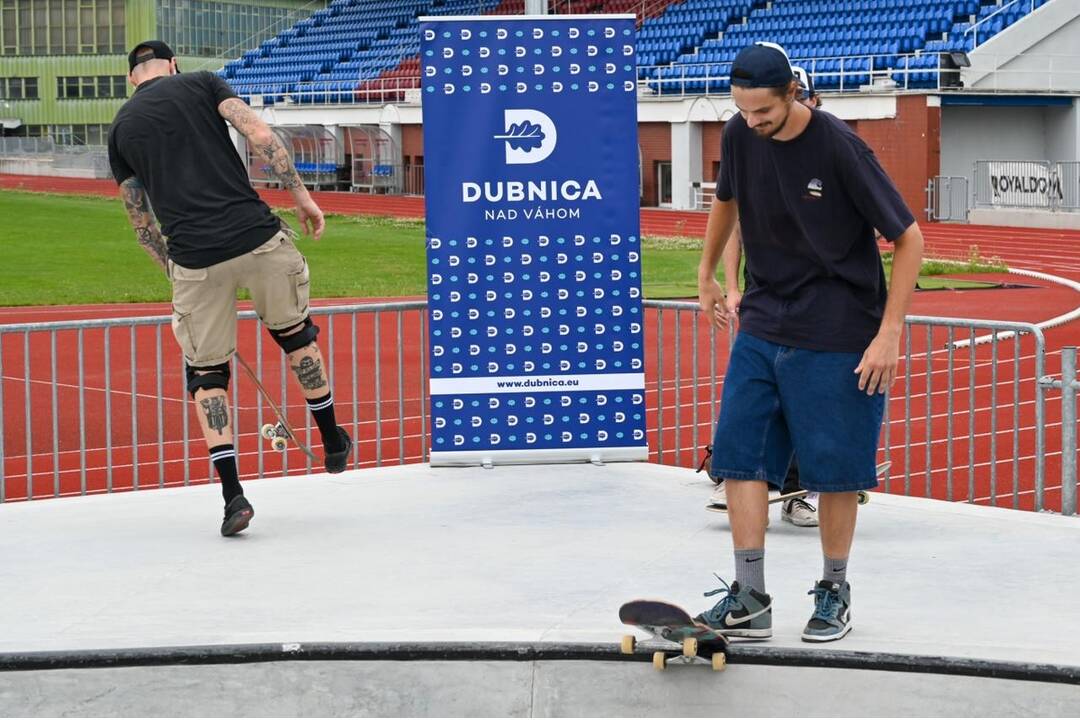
x,y
310,374
217,415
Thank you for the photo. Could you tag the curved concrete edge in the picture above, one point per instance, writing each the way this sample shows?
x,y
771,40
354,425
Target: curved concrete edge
x,y
1045,324
737,654
501,688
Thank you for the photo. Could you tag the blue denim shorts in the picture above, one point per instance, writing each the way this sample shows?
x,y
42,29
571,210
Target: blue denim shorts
x,y
780,401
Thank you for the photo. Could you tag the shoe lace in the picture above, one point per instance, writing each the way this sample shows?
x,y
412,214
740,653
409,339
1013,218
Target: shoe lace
x,y
800,502
727,603
826,603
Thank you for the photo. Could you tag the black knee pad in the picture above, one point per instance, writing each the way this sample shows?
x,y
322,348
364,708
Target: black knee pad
x,y
207,378
298,339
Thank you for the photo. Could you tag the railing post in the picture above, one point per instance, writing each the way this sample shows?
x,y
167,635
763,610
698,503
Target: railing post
x,y
1068,430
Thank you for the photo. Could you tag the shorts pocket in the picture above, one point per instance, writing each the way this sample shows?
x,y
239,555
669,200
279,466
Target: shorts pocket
x,y
301,282
183,274
184,330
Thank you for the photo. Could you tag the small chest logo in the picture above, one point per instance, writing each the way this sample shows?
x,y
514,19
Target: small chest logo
x,y
814,187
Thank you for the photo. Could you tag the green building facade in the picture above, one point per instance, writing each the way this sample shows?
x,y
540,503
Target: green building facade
x,y
63,63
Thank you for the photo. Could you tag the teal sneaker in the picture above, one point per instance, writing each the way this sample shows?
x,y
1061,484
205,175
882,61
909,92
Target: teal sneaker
x,y
832,612
741,612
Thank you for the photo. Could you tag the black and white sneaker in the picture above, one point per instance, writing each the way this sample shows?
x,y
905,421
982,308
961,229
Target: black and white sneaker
x,y
832,612
741,612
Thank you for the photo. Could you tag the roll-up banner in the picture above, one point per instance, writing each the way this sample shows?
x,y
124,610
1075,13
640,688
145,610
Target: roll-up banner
x,y
533,247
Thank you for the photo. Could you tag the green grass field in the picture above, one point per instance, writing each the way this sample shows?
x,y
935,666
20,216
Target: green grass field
x,y
58,250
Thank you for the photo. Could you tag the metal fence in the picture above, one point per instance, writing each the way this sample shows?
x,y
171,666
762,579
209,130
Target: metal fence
x,y
947,198
1027,184
43,156
100,405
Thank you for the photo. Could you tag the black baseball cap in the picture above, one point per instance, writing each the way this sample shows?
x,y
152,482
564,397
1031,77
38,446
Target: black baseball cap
x,y
761,65
159,51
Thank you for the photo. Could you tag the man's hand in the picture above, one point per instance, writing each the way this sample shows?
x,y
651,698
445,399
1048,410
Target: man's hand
x,y
711,300
734,297
877,369
310,217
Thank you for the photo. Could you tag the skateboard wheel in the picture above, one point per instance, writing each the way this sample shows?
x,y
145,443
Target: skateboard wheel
x,y
629,642
279,444
267,431
689,647
659,660
864,497
719,661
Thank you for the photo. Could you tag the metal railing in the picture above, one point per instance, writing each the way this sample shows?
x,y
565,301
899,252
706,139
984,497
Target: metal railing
x,y
44,156
947,198
974,29
1027,184
1068,384
100,405
702,194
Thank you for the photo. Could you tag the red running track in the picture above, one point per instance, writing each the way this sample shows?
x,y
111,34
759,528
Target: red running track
x,y
984,469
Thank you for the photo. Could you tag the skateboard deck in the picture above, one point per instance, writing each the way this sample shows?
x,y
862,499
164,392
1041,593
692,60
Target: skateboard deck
x,y
864,495
280,433
700,644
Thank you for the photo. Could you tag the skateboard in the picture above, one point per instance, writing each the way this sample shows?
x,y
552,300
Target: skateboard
x,y
864,496
281,432
701,645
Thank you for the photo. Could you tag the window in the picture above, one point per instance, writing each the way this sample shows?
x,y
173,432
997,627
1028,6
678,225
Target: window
x,y
18,88
91,86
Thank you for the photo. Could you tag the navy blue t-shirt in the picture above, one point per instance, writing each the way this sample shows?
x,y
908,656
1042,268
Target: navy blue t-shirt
x,y
808,209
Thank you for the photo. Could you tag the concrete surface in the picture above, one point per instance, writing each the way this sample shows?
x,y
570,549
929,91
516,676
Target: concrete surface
x,y
509,689
519,554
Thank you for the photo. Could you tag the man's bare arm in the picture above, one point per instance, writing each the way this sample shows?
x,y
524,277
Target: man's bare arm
x,y
722,218
142,219
269,147
266,144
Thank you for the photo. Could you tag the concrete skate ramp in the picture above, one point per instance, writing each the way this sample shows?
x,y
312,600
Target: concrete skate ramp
x,y
455,679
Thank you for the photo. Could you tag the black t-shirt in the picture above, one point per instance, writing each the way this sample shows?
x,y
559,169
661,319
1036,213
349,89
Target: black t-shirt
x,y
808,208
171,136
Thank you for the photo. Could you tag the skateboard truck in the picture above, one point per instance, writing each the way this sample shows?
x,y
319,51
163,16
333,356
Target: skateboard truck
x,y
277,435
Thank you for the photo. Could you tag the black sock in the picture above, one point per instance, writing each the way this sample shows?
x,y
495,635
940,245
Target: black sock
x,y
224,458
322,409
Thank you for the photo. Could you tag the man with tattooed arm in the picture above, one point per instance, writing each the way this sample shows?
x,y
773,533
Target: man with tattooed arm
x,y
169,149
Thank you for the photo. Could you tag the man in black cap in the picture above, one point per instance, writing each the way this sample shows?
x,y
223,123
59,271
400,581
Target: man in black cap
x,y
169,149
819,330
800,511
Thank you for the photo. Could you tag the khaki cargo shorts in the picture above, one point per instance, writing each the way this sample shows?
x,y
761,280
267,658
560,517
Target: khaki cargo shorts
x,y
204,299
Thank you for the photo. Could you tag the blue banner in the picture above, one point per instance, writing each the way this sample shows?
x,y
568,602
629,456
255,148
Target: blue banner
x,y
534,268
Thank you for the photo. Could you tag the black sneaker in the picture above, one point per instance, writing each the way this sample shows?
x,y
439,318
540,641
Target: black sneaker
x,y
832,612
336,462
238,514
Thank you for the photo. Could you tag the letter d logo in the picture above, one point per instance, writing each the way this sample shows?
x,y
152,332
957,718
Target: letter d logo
x,y
530,136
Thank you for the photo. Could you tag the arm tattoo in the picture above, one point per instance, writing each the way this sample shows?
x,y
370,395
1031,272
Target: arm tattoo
x,y
247,123
309,372
142,219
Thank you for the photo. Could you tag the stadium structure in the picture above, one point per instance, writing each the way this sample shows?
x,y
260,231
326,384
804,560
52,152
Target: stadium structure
x,y
951,94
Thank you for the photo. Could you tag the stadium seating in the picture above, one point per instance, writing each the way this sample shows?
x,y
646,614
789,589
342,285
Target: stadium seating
x,y
368,50
843,43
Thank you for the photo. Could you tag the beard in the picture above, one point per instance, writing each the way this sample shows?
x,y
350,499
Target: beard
x,y
766,131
